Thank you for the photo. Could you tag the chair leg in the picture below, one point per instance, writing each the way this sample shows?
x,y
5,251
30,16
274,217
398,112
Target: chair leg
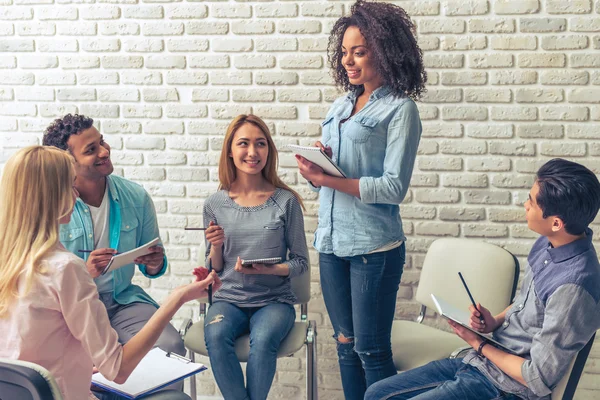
x,y
311,362
193,393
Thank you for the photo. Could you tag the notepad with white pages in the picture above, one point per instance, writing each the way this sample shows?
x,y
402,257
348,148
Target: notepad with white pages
x,y
462,317
156,370
129,257
318,156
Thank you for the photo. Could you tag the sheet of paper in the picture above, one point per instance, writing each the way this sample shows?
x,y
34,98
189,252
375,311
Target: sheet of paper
x,y
128,257
155,371
463,317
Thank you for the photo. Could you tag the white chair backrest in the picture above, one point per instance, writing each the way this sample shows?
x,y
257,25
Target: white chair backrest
x,y
490,273
565,389
301,286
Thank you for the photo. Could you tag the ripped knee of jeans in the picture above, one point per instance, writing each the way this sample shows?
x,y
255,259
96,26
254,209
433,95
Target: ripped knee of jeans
x,y
345,346
216,319
342,339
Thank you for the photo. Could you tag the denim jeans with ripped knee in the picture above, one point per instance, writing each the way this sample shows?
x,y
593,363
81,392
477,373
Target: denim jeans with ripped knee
x,y
360,296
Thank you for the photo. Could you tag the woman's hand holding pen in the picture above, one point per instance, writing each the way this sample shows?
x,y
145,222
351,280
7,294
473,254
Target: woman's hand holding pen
x,y
214,234
482,314
98,260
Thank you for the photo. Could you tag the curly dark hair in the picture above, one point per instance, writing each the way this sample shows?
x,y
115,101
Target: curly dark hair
x,y
58,132
388,31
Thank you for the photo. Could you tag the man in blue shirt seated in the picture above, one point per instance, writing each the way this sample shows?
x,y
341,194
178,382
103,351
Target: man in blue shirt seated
x,y
551,320
111,215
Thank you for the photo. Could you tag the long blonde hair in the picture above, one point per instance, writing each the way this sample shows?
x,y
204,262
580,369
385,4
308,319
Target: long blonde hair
x,y
35,193
227,169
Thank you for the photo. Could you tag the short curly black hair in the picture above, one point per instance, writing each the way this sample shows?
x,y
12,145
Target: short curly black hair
x,y
57,134
388,31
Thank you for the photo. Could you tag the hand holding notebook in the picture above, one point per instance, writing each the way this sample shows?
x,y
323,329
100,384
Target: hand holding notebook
x,y
462,317
129,257
317,156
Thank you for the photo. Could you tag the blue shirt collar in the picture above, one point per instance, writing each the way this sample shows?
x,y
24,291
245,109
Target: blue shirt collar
x,y
378,93
573,249
112,190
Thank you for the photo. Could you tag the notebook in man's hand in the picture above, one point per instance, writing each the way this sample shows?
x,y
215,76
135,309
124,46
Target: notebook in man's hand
x,y
129,257
462,317
318,156
156,370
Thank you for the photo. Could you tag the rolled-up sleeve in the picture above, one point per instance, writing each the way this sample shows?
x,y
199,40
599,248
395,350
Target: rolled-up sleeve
x,y
87,319
564,333
295,238
403,136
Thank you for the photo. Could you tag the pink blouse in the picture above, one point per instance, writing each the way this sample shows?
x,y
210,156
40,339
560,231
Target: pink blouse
x,y
63,326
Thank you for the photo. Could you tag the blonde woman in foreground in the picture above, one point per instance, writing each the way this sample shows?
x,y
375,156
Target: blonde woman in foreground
x,y
50,313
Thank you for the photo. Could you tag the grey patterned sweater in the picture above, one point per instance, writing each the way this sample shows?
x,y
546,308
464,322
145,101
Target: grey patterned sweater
x,y
272,229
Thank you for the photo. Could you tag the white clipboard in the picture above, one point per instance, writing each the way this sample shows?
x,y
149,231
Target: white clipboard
x,y
129,257
318,156
156,370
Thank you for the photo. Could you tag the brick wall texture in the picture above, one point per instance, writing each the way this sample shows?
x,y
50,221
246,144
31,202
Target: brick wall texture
x,y
512,83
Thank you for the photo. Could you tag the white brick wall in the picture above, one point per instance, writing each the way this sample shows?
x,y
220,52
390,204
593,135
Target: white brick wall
x,y
511,84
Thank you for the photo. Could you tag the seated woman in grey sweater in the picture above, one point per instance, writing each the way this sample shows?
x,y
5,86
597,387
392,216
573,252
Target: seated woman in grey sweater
x,y
254,215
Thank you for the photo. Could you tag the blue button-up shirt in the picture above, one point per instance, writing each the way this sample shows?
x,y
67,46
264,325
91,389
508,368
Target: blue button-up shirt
x,y
378,146
132,223
552,318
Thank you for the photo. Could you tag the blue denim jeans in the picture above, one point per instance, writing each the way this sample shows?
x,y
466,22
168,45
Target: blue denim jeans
x,y
447,379
360,296
267,326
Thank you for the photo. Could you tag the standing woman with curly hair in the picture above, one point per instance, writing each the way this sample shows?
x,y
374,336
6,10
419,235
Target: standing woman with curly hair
x,y
372,133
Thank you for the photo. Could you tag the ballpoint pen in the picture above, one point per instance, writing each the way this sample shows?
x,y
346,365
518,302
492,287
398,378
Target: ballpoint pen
x,y
89,251
209,286
471,297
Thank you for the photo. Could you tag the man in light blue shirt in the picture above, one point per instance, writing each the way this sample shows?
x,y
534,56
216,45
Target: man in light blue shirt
x,y
111,215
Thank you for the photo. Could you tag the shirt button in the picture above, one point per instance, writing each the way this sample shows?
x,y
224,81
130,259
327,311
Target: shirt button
x,y
520,306
126,226
70,236
85,210
90,235
545,262
505,324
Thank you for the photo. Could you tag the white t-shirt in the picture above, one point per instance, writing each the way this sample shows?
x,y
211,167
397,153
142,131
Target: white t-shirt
x,y
100,217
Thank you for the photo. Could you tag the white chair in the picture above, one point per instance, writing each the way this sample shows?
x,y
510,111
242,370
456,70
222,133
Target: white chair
x,y
304,332
491,273
566,387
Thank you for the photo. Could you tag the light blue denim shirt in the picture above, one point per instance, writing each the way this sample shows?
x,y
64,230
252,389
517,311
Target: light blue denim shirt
x,y
132,223
377,145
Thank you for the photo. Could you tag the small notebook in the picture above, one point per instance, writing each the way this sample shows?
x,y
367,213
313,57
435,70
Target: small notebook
x,y
267,261
462,317
156,370
318,156
129,257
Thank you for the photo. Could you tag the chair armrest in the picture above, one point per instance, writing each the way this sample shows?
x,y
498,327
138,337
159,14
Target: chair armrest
x,y
311,332
185,326
456,353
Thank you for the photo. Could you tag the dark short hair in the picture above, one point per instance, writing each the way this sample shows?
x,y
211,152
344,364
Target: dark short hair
x,y
57,134
388,31
569,191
